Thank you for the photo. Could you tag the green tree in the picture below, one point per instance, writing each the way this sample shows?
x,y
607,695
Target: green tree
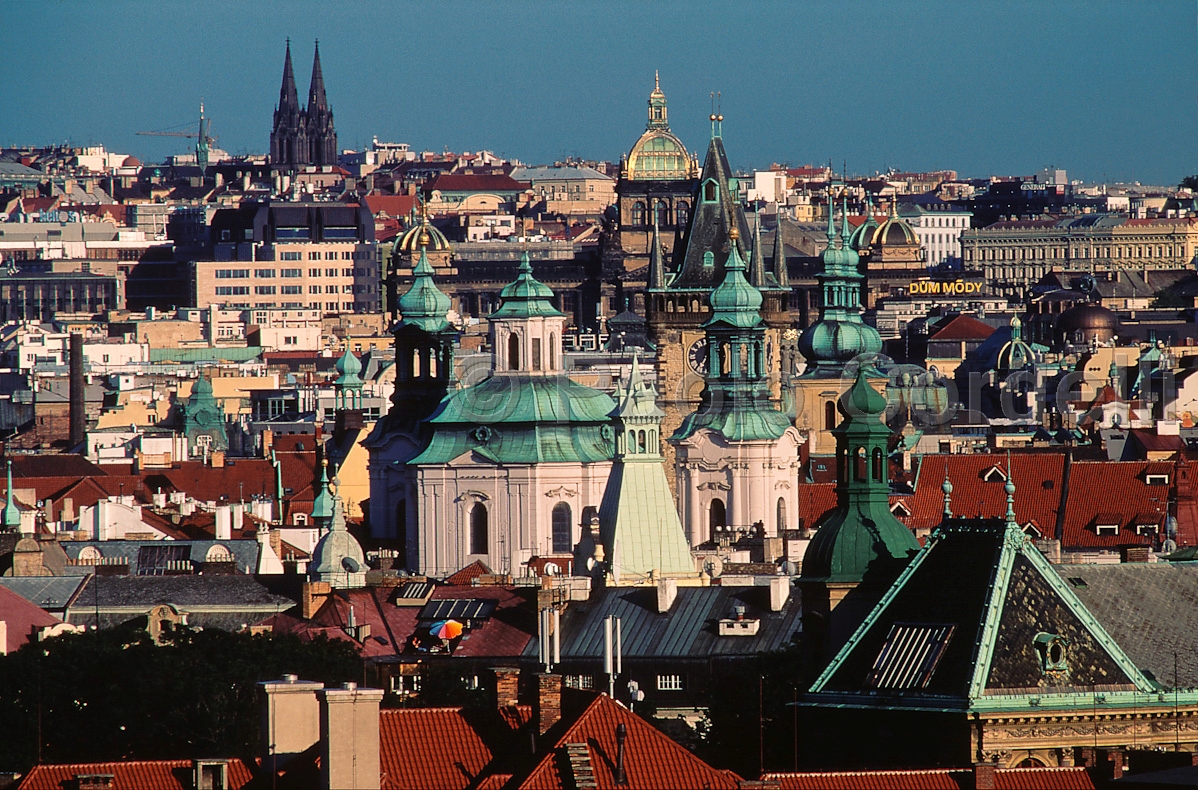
x,y
1190,183
114,694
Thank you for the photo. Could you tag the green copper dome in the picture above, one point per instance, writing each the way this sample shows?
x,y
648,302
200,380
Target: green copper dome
x,y
735,301
864,233
424,306
861,400
349,367
526,297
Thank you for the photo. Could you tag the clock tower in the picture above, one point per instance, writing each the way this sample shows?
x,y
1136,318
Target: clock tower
x,y
677,300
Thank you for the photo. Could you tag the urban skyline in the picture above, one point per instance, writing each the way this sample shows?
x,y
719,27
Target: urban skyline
x,y
1103,91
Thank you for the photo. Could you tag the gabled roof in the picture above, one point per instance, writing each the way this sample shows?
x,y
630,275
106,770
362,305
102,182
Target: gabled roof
x,y
23,620
651,759
466,575
130,775
444,748
963,327
967,627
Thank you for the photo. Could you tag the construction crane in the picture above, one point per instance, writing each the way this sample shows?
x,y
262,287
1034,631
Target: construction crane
x,y
204,140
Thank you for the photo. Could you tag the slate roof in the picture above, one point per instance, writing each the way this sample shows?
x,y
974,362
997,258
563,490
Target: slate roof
x,y
245,552
689,630
130,775
935,779
23,619
1150,609
225,602
52,593
974,602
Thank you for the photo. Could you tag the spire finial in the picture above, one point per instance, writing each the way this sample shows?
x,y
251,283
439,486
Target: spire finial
x,y
1010,489
947,488
656,80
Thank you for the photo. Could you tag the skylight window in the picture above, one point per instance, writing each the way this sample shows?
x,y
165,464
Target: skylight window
x,y
909,657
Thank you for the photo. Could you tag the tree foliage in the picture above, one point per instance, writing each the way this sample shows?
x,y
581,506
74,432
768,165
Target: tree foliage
x,y
114,694
1190,183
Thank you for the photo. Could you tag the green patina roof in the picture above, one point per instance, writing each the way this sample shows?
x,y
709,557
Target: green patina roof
x,y
735,302
322,504
349,367
862,534
424,305
735,425
203,415
526,297
513,418
12,513
230,354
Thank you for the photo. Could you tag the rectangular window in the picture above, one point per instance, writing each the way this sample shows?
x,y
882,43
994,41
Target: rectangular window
x,y
330,256
330,289
669,682
347,289
264,274
330,272
314,256
313,289
347,272
292,289
264,290
340,232
282,234
581,682
314,272
292,256
330,306
1107,529
345,256
232,290
536,353
291,273
232,274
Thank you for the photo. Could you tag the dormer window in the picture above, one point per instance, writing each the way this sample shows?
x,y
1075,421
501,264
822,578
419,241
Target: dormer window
x,y
995,474
1106,524
900,510
1053,653
711,191
1157,480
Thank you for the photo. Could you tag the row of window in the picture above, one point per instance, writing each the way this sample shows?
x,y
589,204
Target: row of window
x,y
1040,253
662,208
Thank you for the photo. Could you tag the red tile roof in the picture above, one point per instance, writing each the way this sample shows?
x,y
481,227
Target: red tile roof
x,y
23,619
936,779
442,748
963,327
476,182
130,775
1038,488
816,501
391,205
1114,491
465,576
652,760
505,634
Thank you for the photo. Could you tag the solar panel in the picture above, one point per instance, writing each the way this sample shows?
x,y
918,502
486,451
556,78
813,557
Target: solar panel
x,y
155,560
414,590
909,656
460,609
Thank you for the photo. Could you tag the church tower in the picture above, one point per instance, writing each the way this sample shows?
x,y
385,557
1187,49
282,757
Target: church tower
x,y
737,454
638,523
862,547
302,136
838,338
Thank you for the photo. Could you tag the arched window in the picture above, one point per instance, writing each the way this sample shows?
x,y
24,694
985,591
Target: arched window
x,y
879,465
638,213
711,191
479,538
716,516
562,529
640,441
859,464
663,213
829,415
781,522
513,351
682,212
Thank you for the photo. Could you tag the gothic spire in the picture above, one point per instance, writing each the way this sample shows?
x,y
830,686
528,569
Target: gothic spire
x,y
780,272
288,100
757,257
316,96
657,264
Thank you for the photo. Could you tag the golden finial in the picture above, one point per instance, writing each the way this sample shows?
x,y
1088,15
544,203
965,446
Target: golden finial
x,y
733,233
656,80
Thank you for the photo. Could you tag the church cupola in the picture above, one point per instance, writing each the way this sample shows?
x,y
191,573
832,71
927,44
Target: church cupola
x,y
659,117
526,330
424,343
349,383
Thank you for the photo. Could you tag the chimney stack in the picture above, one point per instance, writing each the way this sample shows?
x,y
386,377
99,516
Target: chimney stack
x,y
507,686
349,734
985,776
78,418
779,592
290,719
549,701
667,591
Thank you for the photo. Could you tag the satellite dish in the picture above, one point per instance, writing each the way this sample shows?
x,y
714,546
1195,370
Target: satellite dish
x,y
790,568
350,564
552,569
713,566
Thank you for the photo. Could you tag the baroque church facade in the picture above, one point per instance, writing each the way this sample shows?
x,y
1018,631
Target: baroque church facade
x,y
302,136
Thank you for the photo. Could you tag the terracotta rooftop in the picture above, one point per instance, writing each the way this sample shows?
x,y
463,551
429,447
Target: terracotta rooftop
x,y
411,739
935,779
1115,492
978,482
131,775
466,576
963,327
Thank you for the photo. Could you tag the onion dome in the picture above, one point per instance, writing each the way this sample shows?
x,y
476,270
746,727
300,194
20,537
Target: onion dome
x,y
525,296
861,400
735,301
424,235
1015,353
424,305
348,367
863,234
1087,322
894,232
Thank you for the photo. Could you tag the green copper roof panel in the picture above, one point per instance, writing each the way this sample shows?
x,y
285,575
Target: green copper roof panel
x,y
524,399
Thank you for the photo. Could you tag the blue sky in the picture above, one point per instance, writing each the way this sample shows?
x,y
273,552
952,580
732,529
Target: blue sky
x,y
1104,89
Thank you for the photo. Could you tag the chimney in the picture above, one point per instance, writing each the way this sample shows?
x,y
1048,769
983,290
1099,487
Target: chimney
x,y
217,459
312,598
507,686
667,591
78,413
549,701
224,522
349,735
985,776
779,592
268,442
290,719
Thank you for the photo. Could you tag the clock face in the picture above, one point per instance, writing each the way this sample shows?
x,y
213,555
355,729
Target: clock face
x,y
697,356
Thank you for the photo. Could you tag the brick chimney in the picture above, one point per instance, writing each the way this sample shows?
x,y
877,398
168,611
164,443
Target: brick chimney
x,y
507,686
549,700
312,598
985,776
